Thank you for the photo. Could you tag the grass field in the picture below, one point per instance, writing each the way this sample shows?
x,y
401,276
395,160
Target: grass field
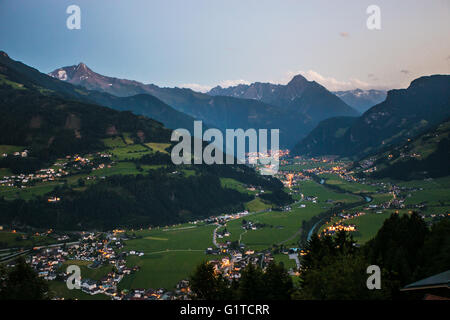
x,y
283,227
170,255
115,142
132,151
14,240
435,194
86,272
162,270
307,164
118,168
236,185
28,193
311,188
257,205
280,227
284,258
59,289
367,225
9,149
183,237
354,187
161,147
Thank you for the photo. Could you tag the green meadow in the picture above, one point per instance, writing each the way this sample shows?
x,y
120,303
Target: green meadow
x,y
18,239
59,289
9,149
155,146
162,270
367,225
183,237
354,187
87,272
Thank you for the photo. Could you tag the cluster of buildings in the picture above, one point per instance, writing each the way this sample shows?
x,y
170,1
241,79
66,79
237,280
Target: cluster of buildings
x,y
60,169
22,180
230,267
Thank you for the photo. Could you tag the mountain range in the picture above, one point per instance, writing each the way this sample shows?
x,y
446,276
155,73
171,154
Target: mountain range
x,y
403,115
294,109
306,98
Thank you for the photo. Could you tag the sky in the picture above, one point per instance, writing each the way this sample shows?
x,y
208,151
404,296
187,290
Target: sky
x,y
204,43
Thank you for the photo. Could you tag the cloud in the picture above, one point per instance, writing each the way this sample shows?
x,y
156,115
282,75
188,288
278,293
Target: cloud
x,y
344,34
206,88
196,87
405,71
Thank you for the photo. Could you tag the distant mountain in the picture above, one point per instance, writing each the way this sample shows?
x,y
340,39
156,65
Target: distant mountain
x,y
303,103
404,114
300,95
426,156
147,105
362,100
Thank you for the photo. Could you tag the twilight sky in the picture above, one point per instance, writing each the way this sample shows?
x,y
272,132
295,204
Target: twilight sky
x,y
202,43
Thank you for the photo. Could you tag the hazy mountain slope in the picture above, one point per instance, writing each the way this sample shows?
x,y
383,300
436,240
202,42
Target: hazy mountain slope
x,y
362,100
427,155
326,138
307,97
404,114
